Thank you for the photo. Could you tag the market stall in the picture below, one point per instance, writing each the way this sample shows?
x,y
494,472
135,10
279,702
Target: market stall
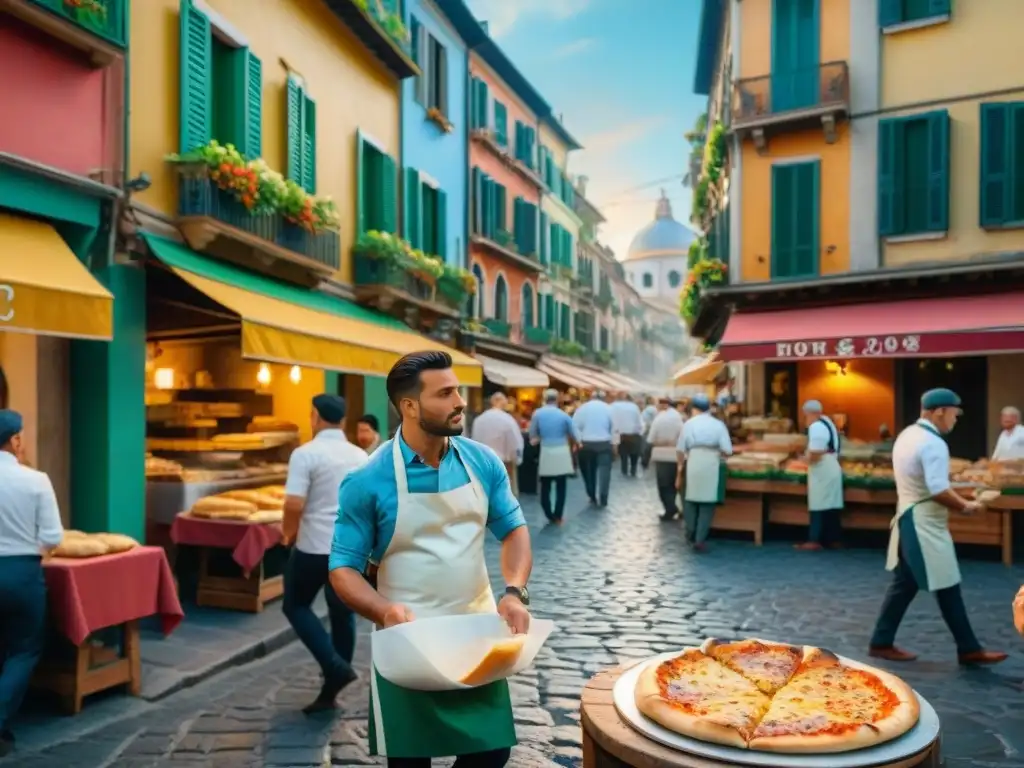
x,y
80,580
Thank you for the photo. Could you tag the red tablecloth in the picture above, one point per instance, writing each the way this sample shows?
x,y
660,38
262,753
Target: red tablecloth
x,y
98,592
249,541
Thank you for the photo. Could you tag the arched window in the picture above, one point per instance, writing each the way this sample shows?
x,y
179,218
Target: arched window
x,y
527,305
477,301
648,280
500,298
674,279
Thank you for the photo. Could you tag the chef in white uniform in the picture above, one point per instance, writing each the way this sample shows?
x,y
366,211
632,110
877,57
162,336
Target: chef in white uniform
x,y
1010,445
824,479
921,552
703,444
419,511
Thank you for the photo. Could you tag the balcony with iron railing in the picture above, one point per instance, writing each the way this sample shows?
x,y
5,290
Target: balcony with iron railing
x,y
790,101
97,27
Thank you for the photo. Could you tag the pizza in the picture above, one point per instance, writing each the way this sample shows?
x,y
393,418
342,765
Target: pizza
x,y
754,694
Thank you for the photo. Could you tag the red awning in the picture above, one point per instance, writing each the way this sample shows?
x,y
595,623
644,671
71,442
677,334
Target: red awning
x,y
975,325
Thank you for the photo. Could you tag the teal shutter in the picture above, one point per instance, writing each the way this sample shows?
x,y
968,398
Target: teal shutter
x,y
308,144
473,97
519,141
549,312
487,188
483,104
890,12
995,207
361,199
782,215
940,7
531,142
413,208
388,195
294,130
543,233
500,123
477,222
415,49
196,98
500,208
938,171
808,202
517,223
428,220
252,113
441,224
530,228
890,193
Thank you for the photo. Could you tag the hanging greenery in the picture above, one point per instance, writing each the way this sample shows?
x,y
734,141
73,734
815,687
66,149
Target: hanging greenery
x,y
706,273
716,153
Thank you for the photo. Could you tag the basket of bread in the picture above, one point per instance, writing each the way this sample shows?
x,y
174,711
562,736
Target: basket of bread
x,y
255,505
79,545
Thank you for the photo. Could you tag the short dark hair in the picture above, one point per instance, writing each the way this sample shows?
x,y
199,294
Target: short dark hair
x,y
404,377
371,421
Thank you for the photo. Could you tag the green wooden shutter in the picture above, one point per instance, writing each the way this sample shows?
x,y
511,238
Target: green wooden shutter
x,y
473,96
483,105
518,149
530,228
487,206
441,223
413,208
252,132
361,200
415,49
196,98
996,149
294,129
938,171
890,12
782,221
308,144
940,7
500,123
890,193
477,219
517,223
500,208
388,194
807,201
549,312
428,219
543,233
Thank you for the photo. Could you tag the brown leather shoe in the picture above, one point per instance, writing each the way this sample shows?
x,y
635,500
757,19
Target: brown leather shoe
x,y
809,546
892,653
982,657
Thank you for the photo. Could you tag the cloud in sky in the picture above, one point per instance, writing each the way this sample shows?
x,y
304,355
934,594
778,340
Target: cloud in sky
x,y
574,48
502,15
619,136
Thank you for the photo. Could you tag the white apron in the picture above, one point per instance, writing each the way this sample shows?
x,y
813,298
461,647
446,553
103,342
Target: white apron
x,y
555,461
825,477
704,475
435,566
926,525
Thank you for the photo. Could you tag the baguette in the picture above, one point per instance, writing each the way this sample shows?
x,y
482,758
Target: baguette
x,y
254,496
217,506
80,547
267,516
116,542
277,491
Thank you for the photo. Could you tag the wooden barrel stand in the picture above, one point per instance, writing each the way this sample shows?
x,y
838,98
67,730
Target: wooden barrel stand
x,y
609,742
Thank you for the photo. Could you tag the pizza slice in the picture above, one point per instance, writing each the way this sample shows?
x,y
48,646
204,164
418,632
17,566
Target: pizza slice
x,y
768,665
832,706
696,696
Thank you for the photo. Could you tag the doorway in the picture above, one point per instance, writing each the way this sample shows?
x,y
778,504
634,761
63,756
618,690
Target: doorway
x,y
968,377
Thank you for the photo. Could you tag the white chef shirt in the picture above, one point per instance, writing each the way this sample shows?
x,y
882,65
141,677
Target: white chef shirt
x,y
315,472
29,517
627,417
664,435
499,431
704,431
920,461
595,423
1010,445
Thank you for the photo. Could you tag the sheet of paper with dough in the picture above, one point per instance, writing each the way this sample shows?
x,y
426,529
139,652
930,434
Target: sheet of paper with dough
x,y
501,657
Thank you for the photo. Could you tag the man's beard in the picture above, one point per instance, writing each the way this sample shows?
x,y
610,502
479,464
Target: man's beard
x,y
444,428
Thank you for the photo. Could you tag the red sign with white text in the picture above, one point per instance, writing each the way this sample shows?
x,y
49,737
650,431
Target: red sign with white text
x,y
894,345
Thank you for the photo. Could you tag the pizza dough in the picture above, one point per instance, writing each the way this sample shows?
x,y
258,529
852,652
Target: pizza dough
x,y
775,697
81,546
499,660
219,508
116,542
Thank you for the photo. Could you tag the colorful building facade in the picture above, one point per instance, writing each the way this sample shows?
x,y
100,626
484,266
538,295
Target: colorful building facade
x,y
71,310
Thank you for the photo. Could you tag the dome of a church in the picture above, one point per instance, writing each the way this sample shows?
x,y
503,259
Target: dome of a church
x,y
662,237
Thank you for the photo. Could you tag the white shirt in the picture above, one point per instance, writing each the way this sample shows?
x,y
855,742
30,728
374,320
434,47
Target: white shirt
x,y
649,414
499,431
29,517
704,431
627,417
1010,445
820,433
595,423
315,472
920,463
664,434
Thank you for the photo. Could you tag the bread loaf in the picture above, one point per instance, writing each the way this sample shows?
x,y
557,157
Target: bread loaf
x,y
221,508
81,547
277,491
257,497
116,542
267,516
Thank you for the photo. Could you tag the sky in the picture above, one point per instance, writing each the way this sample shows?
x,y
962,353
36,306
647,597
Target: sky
x,y
621,74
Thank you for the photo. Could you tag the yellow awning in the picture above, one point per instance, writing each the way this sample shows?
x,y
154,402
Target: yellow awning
x,y
45,289
279,331
699,371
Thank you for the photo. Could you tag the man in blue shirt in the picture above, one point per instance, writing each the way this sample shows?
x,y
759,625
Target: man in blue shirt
x,y
417,512
599,440
552,429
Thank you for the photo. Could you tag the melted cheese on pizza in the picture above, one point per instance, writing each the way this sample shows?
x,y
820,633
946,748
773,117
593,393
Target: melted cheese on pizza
x,y
830,699
698,685
769,667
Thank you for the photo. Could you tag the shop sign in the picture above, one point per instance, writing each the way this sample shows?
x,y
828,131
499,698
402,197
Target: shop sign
x,y
6,303
867,346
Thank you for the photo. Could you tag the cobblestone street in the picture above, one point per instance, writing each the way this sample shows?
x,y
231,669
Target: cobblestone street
x,y
620,585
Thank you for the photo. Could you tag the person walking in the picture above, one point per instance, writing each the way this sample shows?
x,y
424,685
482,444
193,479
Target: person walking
x,y
629,423
315,473
552,429
824,480
30,527
418,511
599,440
368,433
703,441
649,412
921,552
498,430
663,437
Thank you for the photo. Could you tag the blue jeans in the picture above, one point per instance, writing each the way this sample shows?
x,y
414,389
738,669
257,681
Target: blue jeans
x,y
22,627
304,577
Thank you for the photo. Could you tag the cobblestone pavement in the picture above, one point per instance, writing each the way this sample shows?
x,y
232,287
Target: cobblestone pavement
x,y
621,586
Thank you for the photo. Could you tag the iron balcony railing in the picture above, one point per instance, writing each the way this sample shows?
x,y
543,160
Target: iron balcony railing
x,y
760,99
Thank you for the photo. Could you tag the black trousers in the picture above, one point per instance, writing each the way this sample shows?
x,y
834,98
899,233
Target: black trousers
x,y
665,475
305,575
630,448
545,496
496,758
826,527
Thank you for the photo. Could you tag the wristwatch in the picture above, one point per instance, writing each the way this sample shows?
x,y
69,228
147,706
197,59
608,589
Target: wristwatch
x,y
520,592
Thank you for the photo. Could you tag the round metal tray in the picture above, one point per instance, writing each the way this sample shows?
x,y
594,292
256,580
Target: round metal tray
x,y
914,741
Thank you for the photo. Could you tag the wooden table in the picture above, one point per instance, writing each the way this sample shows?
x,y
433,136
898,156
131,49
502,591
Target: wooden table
x,y
608,742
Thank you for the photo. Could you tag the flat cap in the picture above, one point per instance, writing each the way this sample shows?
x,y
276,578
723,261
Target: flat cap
x,y
939,398
11,424
330,407
700,402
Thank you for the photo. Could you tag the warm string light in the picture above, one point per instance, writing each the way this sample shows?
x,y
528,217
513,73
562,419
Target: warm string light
x,y
263,375
295,374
